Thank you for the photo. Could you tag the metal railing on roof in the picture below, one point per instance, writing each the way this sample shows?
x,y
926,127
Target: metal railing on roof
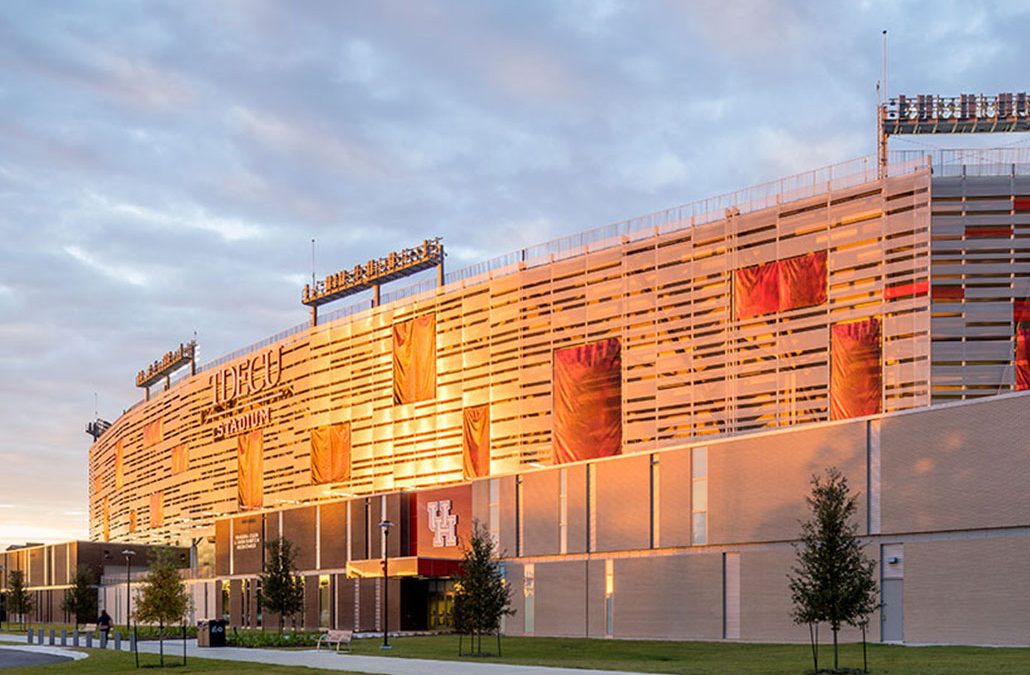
x,y
971,161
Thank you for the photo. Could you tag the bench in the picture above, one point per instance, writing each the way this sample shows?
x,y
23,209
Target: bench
x,y
341,638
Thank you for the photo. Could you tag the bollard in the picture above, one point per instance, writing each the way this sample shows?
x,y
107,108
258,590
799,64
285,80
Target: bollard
x,y
30,636
118,641
89,640
64,637
75,638
39,637
132,641
52,635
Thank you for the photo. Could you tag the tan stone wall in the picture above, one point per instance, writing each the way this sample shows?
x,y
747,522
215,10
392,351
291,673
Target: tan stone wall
x,y
756,487
971,592
675,597
958,467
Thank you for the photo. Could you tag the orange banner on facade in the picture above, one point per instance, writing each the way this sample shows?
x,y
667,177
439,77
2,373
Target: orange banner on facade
x,y
153,433
414,360
132,521
1022,360
157,509
107,519
119,464
781,285
856,376
475,441
250,470
180,458
330,453
587,401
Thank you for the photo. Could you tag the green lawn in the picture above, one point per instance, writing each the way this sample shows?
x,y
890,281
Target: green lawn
x,y
686,658
106,662
711,658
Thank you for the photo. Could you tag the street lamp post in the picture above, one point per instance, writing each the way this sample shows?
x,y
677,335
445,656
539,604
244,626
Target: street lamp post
x,y
3,604
385,525
128,553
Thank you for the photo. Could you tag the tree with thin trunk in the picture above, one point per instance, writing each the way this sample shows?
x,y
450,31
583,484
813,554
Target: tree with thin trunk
x,y
163,599
19,600
481,596
832,580
81,599
282,589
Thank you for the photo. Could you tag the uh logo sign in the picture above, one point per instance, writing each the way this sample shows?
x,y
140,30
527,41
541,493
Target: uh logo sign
x,y
442,523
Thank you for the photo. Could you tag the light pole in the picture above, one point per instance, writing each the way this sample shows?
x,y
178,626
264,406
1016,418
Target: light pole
x,y
3,596
128,553
385,525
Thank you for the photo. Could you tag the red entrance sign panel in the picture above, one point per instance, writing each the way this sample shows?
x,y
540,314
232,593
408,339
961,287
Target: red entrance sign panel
x,y
1022,361
442,522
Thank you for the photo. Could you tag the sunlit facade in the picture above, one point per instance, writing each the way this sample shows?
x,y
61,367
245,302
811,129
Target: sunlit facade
x,y
627,407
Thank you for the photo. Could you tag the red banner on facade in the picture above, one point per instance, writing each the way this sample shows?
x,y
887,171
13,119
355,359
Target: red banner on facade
x,y
802,281
856,376
911,289
1022,360
587,401
756,290
779,286
475,441
250,470
330,453
414,360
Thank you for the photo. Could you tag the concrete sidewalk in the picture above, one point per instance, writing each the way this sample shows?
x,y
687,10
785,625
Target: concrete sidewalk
x,y
381,665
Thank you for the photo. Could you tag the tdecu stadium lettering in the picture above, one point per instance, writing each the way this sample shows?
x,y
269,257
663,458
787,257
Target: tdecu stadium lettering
x,y
247,377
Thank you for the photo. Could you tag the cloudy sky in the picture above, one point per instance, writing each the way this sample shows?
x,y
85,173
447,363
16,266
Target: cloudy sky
x,y
165,165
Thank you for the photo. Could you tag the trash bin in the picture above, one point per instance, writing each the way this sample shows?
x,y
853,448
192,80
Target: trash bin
x,y
203,634
216,632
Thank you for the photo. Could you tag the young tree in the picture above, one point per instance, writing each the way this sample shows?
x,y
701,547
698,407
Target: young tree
x,y
19,600
81,598
282,589
163,599
481,597
832,580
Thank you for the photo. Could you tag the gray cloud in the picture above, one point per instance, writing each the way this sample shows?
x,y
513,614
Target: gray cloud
x,y
164,166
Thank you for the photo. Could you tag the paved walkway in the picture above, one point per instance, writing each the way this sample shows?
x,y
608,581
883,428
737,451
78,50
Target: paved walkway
x,y
22,657
380,665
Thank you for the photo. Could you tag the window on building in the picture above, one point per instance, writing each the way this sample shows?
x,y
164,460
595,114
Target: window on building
x,y
609,597
324,602
529,594
699,496
495,511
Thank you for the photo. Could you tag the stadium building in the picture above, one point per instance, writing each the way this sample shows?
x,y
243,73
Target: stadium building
x,y
634,413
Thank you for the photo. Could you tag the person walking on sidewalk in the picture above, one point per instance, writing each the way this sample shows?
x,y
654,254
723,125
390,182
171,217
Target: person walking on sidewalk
x,y
104,624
